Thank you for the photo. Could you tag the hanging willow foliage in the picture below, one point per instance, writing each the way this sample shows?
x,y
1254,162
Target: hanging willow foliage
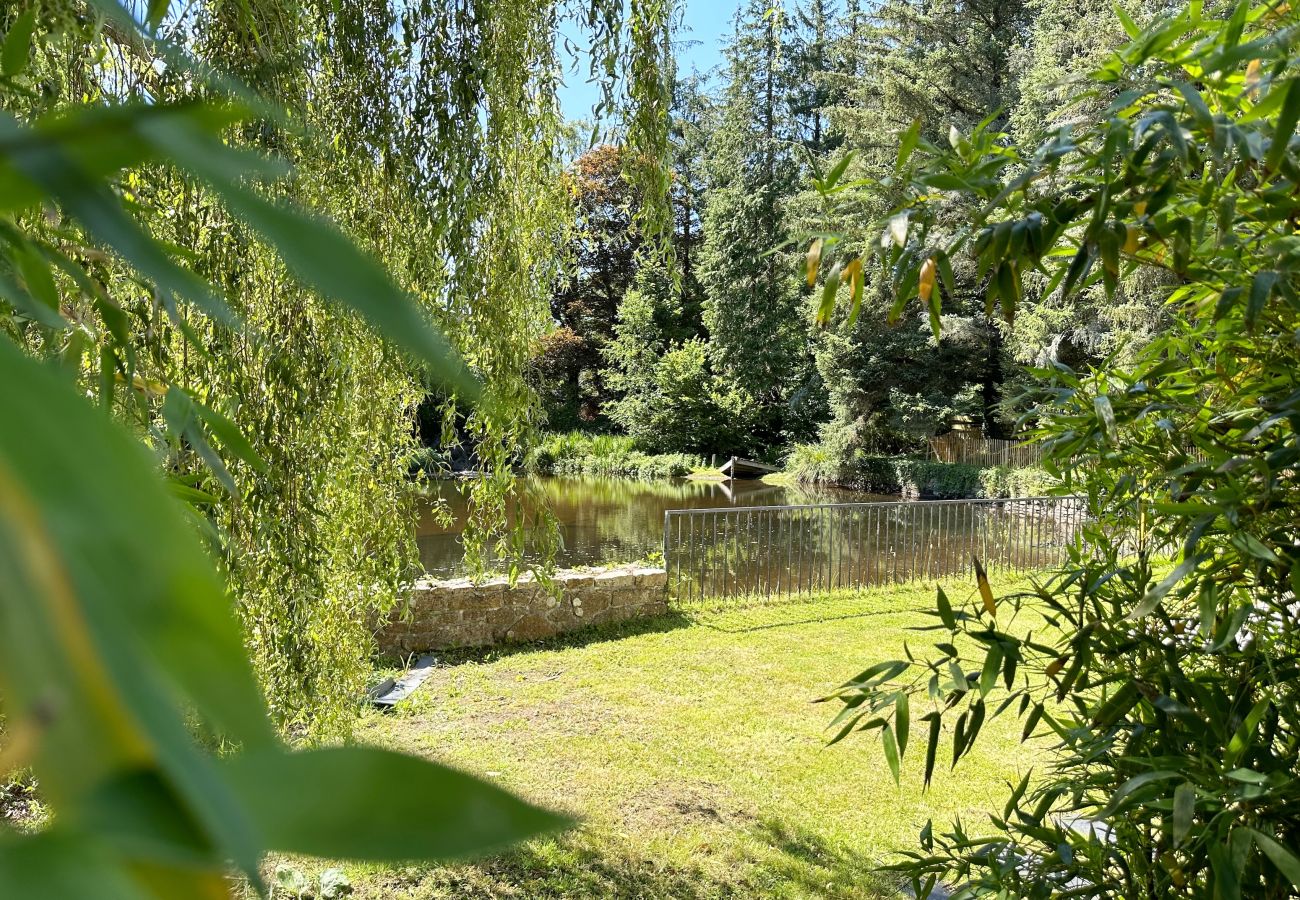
x,y
429,132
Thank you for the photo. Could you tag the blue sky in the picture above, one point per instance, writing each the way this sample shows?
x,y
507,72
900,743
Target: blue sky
x,y
704,24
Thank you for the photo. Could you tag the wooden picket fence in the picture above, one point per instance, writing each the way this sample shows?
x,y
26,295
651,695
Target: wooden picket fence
x,y
977,450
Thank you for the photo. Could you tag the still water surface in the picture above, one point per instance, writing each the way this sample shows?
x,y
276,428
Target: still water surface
x,y
611,520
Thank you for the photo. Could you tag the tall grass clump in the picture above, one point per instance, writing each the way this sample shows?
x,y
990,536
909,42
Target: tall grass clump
x,y
607,455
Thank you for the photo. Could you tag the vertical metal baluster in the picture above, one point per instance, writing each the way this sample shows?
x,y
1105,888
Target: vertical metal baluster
x,y
742,555
984,535
726,555
837,541
681,552
678,551
787,522
732,566
890,564
858,558
796,553
784,533
690,539
936,542
931,530
918,516
772,529
715,553
767,554
668,569
828,527
1026,536
1037,540
1022,538
921,517
951,538
915,515
877,560
750,558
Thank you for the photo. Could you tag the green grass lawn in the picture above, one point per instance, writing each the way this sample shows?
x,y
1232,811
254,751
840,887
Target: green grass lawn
x,y
689,749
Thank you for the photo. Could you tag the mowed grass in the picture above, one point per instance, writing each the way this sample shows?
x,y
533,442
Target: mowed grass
x,y
691,753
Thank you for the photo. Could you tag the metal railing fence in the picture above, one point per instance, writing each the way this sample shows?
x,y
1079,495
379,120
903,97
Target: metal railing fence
x,y
785,551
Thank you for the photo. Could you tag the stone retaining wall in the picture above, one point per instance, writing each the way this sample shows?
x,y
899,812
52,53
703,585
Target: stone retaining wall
x,y
445,614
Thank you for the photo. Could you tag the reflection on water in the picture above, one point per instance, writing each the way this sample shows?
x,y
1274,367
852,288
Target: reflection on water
x,y
809,549
610,520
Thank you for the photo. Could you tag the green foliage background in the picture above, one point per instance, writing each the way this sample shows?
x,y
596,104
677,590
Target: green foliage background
x,y
278,416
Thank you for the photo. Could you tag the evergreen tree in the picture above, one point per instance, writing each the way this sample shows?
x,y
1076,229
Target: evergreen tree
x,y
944,65
1069,39
754,312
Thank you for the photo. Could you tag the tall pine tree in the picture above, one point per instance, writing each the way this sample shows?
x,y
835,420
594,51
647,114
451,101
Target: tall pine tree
x,y
754,311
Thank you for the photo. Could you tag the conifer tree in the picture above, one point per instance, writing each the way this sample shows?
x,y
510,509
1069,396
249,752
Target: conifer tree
x,y
753,311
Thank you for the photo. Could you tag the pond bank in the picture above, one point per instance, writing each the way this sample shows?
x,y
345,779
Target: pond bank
x,y
917,479
607,521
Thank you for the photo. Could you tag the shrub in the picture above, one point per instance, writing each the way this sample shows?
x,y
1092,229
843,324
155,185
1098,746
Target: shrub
x,y
1010,481
1170,695
607,455
914,478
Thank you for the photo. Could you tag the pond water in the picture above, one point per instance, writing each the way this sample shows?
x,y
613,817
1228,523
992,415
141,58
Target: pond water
x,y
612,520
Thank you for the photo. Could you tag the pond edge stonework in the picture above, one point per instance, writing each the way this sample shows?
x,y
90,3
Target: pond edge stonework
x,y
443,615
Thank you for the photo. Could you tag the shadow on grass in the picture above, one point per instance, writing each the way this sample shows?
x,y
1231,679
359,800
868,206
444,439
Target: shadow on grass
x,y
595,634
733,621
772,860
762,616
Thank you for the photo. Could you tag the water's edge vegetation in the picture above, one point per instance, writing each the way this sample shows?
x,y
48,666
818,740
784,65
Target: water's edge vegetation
x,y
612,455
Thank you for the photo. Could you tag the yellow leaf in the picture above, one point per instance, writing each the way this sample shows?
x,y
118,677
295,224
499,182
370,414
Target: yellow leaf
x,y
1130,239
986,591
1253,76
925,284
853,270
814,260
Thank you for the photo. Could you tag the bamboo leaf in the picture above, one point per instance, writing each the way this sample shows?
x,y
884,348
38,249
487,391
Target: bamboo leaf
x,y
814,260
1287,863
1130,27
16,52
1157,592
907,142
902,720
896,230
991,669
1184,808
891,751
229,435
932,746
1287,119
986,591
827,306
411,808
835,174
1106,413
945,610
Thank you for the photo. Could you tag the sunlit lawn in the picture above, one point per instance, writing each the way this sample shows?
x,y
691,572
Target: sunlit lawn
x,y
690,751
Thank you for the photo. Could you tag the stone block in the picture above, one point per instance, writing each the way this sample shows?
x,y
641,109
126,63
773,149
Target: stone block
x,y
531,627
615,579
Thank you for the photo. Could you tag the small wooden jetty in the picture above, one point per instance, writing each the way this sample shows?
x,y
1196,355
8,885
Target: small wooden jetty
x,y
746,468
